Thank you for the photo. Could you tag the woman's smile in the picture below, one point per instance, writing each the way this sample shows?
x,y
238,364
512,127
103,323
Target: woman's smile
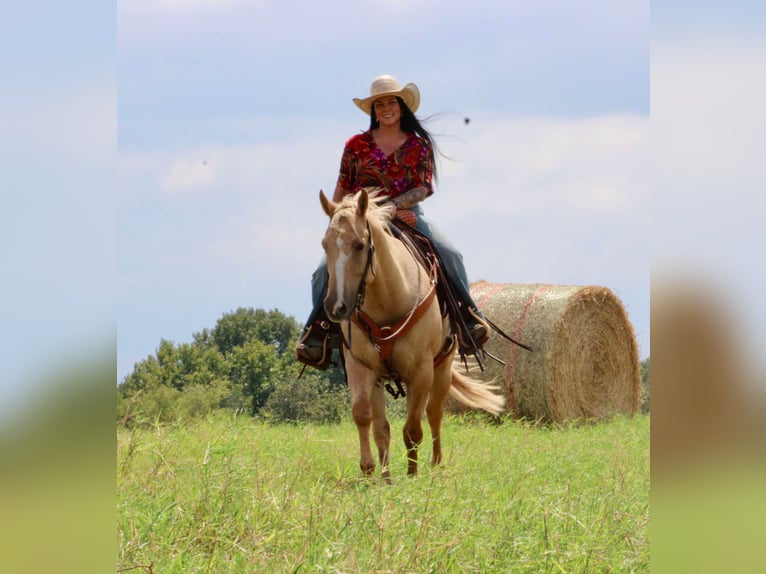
x,y
387,110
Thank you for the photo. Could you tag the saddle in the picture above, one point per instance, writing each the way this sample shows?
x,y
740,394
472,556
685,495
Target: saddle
x,y
403,227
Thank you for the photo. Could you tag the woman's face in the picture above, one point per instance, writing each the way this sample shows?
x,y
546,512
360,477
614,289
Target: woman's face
x,y
387,111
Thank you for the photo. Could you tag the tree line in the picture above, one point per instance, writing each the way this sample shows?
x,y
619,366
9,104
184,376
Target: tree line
x,y
245,363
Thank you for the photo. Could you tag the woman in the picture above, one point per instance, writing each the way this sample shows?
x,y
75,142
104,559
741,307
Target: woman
x,y
396,154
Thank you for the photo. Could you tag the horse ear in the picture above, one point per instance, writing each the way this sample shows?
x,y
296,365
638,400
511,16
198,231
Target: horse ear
x,y
362,203
328,206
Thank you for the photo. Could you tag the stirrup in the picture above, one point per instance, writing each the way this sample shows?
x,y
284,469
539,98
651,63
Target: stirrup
x,y
318,335
479,338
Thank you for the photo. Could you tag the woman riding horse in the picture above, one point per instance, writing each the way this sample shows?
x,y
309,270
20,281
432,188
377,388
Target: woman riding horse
x,y
396,155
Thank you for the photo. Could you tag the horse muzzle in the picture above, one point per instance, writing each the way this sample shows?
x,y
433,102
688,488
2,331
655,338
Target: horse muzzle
x,y
338,311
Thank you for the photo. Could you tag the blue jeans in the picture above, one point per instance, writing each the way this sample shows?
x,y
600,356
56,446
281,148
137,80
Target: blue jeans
x,y
450,256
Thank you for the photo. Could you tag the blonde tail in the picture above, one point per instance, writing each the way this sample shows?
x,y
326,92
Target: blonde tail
x,y
476,394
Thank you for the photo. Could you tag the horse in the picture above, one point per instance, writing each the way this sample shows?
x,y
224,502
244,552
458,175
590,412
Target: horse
x,y
384,300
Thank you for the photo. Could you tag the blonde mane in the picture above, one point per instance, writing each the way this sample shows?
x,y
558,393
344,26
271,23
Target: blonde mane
x,y
379,210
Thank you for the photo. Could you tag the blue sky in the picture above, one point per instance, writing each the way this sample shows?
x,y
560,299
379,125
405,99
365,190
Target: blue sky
x,y
232,115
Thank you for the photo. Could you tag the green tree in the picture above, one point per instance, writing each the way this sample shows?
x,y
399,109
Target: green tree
x,y
251,367
170,367
203,339
245,324
237,365
312,398
147,374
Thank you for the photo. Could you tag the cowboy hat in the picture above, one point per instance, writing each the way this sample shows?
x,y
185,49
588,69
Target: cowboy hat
x,y
386,85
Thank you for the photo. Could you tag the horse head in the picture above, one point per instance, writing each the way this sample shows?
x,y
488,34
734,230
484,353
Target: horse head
x,y
348,246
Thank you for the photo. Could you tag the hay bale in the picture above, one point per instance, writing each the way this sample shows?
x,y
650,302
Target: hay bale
x,y
585,360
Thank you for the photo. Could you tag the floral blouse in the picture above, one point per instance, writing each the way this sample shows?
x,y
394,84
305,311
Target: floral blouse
x,y
364,164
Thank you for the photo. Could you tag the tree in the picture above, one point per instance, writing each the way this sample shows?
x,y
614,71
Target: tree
x,y
147,374
245,324
251,368
312,398
236,365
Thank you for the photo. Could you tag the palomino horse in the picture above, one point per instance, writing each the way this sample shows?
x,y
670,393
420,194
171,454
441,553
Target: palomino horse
x,y
384,300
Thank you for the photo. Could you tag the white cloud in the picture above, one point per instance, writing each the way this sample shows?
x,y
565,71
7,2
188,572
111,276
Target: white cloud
x,y
191,174
542,169
596,166
279,246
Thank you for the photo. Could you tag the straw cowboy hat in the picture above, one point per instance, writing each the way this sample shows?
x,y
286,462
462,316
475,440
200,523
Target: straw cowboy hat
x,y
386,85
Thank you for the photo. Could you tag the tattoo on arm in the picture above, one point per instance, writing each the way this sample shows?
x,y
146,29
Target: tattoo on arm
x,y
410,198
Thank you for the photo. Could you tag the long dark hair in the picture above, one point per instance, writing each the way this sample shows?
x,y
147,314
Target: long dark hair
x,y
410,124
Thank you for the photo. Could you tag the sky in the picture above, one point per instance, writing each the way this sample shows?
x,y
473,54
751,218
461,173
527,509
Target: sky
x,y
58,130
232,116
707,175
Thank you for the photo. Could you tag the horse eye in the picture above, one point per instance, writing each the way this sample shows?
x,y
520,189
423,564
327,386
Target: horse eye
x,y
359,246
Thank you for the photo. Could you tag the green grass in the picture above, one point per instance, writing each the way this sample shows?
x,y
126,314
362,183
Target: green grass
x,y
231,494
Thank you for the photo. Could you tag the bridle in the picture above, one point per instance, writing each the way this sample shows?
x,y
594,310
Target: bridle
x,y
368,268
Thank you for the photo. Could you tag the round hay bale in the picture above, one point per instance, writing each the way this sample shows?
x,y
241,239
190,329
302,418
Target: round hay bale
x,y
585,359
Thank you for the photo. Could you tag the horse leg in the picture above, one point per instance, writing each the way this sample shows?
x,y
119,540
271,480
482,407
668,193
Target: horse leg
x,y
361,410
417,394
361,383
435,407
381,430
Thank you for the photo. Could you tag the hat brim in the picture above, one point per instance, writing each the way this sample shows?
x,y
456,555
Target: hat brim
x,y
410,96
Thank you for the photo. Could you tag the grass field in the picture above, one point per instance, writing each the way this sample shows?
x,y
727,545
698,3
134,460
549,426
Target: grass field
x,y
231,494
